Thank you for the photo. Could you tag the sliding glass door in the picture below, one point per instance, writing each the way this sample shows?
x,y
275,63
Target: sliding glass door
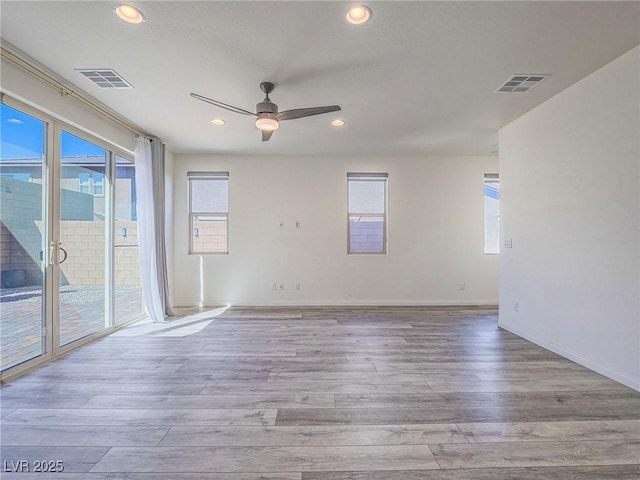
x,y
127,289
83,187
68,237
23,237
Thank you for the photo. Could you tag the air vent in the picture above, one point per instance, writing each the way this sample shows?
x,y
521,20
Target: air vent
x,y
521,83
105,78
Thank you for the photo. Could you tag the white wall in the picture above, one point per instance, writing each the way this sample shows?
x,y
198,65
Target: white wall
x,y
570,200
435,233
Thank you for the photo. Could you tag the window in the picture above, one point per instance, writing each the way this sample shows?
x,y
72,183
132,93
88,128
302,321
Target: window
x,y
98,184
491,213
91,183
367,212
83,182
208,212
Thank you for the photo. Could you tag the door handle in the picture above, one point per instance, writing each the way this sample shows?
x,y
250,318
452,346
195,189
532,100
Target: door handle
x,y
52,249
54,257
60,262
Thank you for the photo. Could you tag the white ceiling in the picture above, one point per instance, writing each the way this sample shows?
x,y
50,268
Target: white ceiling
x,y
417,79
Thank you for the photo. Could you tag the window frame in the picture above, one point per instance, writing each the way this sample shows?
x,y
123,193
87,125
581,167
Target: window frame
x,y
192,214
368,177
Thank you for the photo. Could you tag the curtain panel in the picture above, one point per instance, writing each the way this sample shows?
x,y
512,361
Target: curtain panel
x,y
149,167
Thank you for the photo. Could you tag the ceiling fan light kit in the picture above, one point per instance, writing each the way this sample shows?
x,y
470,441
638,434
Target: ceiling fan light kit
x,y
268,124
268,118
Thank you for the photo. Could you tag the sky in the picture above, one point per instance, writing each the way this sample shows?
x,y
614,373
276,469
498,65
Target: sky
x,y
22,136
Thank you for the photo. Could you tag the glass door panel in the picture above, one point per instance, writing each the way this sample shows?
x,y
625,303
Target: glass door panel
x,y
127,289
83,210
23,251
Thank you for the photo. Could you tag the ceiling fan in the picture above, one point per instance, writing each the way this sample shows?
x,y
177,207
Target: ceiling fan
x,y
268,118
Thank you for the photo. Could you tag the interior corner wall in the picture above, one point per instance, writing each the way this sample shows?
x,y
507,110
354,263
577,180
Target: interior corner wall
x,y
570,202
22,86
169,219
435,232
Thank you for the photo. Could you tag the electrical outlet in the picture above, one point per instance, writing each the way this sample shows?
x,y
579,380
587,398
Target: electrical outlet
x,y
298,286
463,286
282,286
274,286
297,223
516,307
508,243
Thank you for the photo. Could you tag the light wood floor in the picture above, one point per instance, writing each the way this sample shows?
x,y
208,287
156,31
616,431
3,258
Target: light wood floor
x,y
320,394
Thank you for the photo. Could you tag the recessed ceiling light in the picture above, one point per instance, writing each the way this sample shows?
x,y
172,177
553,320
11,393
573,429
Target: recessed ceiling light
x,y
337,123
358,14
128,13
217,121
17,121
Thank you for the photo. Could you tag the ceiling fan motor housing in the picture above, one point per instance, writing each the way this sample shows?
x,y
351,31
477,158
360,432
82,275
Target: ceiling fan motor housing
x,y
267,107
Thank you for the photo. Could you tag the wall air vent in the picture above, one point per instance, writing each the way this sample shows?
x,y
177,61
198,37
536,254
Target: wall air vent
x,y
105,77
520,83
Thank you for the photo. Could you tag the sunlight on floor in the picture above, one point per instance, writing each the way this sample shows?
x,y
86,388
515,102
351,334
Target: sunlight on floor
x,y
181,326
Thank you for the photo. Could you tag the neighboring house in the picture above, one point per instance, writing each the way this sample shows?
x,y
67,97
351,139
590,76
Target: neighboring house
x,y
82,200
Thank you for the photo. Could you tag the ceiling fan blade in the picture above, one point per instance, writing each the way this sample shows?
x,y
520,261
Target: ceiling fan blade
x,y
266,135
306,112
222,105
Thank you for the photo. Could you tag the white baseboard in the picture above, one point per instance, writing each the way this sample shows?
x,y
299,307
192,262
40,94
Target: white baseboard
x,y
607,372
354,303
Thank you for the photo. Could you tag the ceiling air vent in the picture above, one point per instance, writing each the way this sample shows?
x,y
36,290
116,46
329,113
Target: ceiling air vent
x,y
105,78
520,83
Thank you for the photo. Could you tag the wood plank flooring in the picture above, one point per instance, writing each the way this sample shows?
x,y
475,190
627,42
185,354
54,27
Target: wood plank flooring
x,y
329,393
